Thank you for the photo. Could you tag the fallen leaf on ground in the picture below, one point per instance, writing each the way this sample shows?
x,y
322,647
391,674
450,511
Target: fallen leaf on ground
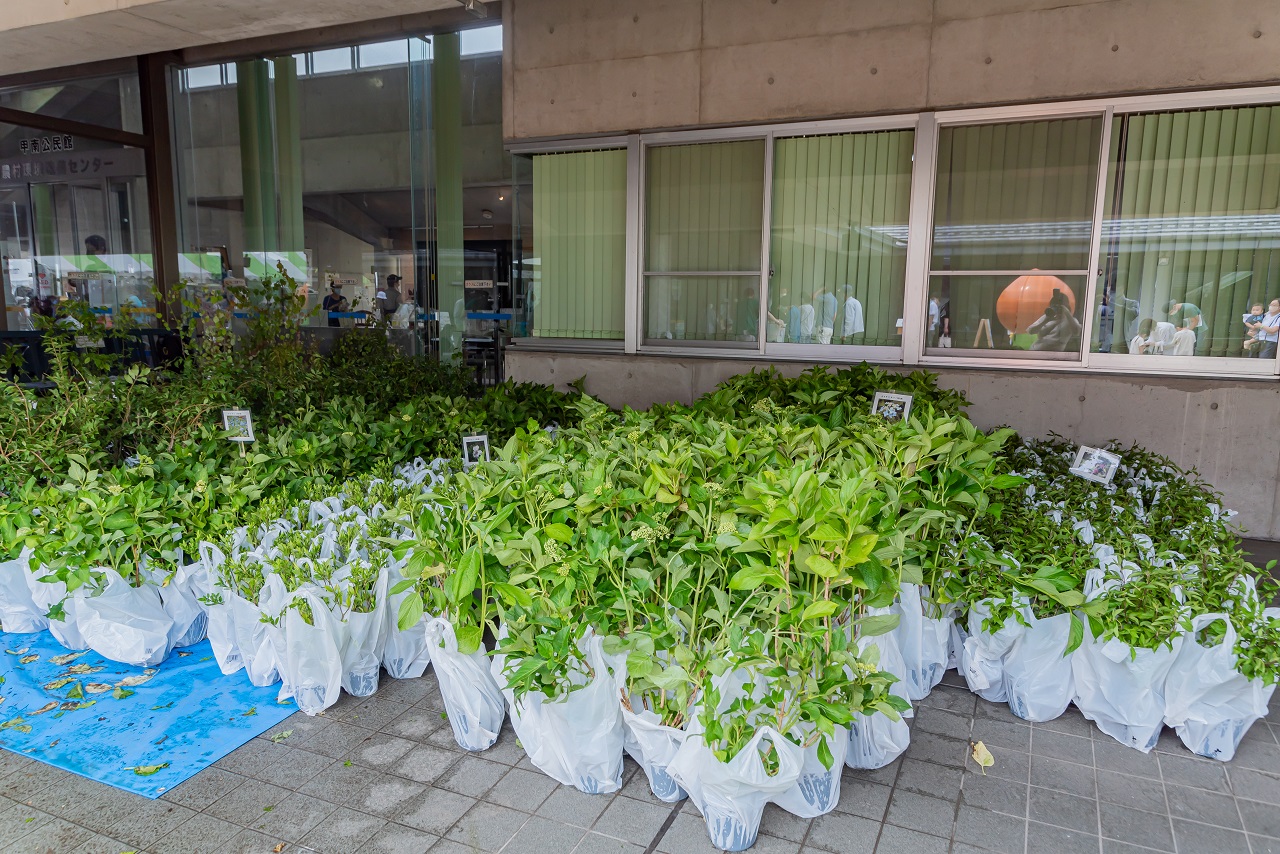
x,y
47,707
148,770
68,658
983,756
97,687
27,659
281,736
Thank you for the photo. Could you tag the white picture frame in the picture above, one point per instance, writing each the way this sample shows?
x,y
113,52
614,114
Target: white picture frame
x,y
891,406
1095,464
239,423
475,450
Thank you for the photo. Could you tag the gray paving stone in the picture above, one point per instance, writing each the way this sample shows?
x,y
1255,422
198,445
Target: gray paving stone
x,y
841,832
381,751
406,690
488,827
926,778
886,776
1191,836
1112,846
1072,748
1136,827
992,793
244,805
294,817
1260,819
390,796
99,844
372,712
1009,765
1046,839
1264,844
1053,807
343,783
398,839
861,798
942,722
1207,807
930,747
471,775
290,767
200,834
434,811
1255,785
898,840
448,846
146,822
566,804
1258,755
252,842
922,813
25,783
632,820
505,749
415,724
203,789
335,741
1134,792
958,700
989,830
522,790
1068,777
1110,755
1200,773
56,835
424,764
595,843
18,820
781,824
1000,734
1070,722
343,830
540,835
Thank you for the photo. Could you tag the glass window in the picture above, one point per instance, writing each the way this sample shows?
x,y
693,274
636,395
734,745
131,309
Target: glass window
x,y
837,261
572,266
202,76
482,40
111,102
1190,236
1012,219
327,61
384,53
704,215
74,226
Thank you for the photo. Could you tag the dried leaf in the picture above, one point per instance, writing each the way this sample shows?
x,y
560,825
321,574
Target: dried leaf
x,y
60,660
59,683
83,669
27,659
47,707
983,756
22,651
97,688
131,681
279,847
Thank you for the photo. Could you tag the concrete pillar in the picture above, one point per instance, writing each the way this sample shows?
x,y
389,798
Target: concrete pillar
x,y
289,154
257,155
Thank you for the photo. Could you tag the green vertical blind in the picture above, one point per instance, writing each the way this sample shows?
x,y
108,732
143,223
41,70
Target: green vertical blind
x,y
579,241
704,213
1191,216
840,207
1016,196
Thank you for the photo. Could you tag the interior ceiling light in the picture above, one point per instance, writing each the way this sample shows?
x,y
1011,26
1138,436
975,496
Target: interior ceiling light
x,y
486,213
475,7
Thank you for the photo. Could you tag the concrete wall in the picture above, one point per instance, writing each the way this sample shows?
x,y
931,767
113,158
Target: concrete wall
x,y
598,66
1224,429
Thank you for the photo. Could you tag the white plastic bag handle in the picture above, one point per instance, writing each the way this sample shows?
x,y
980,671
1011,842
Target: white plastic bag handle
x,y
1202,621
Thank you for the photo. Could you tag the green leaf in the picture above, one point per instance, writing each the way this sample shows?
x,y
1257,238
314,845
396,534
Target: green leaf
x,y
559,531
148,770
824,754
877,625
1075,636
820,609
410,613
469,639
122,693
751,577
821,566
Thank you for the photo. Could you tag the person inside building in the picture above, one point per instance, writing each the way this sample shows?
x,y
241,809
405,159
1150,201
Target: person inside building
x,y
748,314
1269,331
1185,315
1141,340
389,297
824,309
854,319
334,302
1252,322
1057,329
95,244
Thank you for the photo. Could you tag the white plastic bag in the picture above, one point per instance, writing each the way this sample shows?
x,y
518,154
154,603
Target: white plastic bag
x,y
731,795
1122,689
471,698
46,594
125,623
220,628
180,600
983,655
362,644
260,641
1038,674
653,746
817,788
18,611
576,739
1207,700
312,667
405,654
875,740
923,640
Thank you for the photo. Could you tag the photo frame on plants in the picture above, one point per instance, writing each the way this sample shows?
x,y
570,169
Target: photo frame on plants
x,y
891,406
1095,464
475,450
239,423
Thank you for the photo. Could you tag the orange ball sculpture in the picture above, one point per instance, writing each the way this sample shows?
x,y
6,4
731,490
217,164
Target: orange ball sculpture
x,y
1025,299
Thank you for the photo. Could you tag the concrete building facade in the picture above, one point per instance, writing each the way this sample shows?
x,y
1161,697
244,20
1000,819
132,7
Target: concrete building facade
x,y
904,183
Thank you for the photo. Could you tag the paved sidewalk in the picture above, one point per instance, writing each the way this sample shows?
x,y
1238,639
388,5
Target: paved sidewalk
x,y
384,775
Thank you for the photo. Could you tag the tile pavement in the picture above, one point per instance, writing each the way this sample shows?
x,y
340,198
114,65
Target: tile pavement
x,y
384,776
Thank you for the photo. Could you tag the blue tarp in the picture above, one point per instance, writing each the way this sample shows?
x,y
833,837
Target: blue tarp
x,y
144,731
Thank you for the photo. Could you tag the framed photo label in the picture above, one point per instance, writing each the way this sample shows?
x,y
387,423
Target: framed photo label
x,y
475,450
1095,464
239,423
891,406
